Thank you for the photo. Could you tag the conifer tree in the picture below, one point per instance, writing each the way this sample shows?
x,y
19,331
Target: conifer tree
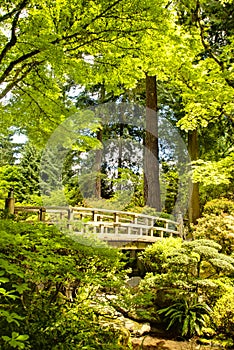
x,y
29,173
9,150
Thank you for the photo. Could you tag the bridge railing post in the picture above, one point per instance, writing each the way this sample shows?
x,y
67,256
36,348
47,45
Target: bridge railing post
x,y
151,224
116,220
134,219
10,202
180,225
41,214
94,218
70,215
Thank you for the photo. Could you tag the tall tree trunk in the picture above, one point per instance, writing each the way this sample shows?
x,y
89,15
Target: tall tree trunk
x,y
151,149
194,202
120,145
97,168
98,155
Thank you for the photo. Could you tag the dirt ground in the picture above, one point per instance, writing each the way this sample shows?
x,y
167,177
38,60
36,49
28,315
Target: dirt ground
x,y
152,343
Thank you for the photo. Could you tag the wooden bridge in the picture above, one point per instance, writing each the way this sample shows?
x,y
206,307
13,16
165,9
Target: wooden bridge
x,y
118,228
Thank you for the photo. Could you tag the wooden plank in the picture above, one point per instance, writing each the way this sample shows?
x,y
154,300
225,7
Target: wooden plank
x,y
130,226
106,219
83,209
28,207
25,210
57,210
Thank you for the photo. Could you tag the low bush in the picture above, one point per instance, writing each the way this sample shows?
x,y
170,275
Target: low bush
x,y
186,280
217,224
49,286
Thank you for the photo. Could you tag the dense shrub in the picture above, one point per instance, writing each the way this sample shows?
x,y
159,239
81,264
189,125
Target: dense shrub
x,y
217,224
49,287
219,206
185,281
223,313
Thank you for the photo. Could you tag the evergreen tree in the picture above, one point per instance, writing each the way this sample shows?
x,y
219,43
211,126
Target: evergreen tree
x,y
51,174
9,150
71,178
29,173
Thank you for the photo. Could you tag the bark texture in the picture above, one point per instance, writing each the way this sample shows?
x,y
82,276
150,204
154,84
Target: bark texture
x,y
151,149
194,202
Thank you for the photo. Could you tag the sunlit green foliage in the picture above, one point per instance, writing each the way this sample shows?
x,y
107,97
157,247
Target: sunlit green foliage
x,y
184,281
48,283
223,313
48,52
188,316
217,224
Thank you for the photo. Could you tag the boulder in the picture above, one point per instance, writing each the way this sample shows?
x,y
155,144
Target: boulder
x,y
135,328
133,282
152,343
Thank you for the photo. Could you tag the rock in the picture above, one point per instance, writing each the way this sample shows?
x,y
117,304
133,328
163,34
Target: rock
x,y
150,343
153,343
136,329
144,329
133,282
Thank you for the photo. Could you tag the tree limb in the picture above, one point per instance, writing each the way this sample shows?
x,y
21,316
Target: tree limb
x,y
16,80
15,62
208,48
13,39
37,104
65,40
18,8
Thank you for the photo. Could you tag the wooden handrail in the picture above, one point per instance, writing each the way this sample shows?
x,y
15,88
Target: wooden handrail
x,y
123,213
108,221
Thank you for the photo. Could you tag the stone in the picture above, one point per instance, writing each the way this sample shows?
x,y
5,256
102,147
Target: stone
x,y
154,343
135,328
133,282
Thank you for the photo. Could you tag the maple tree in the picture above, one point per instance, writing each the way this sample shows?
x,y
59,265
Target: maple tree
x,y
50,48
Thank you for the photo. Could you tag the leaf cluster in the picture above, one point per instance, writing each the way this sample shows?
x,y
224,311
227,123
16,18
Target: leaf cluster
x,y
49,284
185,281
216,224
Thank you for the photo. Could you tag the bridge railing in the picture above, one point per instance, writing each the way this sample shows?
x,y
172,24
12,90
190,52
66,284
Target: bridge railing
x,y
106,221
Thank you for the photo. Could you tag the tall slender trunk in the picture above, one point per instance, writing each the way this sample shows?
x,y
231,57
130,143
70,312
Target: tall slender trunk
x,y
97,168
194,202
151,148
98,155
120,145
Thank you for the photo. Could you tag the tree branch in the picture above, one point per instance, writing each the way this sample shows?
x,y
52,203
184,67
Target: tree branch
x,y
208,48
15,81
15,62
108,8
18,8
37,104
42,93
13,39
81,36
